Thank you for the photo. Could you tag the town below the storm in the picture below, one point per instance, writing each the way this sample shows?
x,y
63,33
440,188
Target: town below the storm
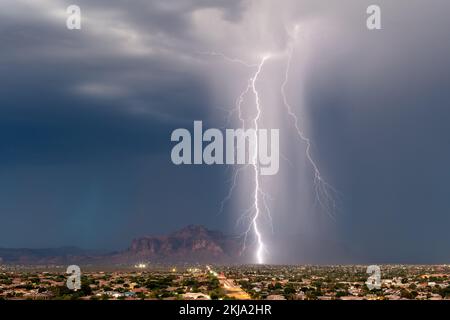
x,y
145,281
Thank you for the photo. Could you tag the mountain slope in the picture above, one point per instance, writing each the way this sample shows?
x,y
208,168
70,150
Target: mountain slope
x,y
190,244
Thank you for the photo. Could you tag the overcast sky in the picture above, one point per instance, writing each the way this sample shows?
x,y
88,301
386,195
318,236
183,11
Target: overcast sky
x,y
86,117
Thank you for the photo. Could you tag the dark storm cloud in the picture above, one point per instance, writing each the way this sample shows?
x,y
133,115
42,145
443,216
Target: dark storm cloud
x,y
86,117
96,88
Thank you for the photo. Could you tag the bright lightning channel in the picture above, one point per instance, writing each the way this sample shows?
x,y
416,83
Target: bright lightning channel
x,y
254,212
323,190
260,244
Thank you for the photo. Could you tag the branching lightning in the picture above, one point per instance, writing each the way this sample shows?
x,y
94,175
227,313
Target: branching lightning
x,y
323,191
259,196
260,244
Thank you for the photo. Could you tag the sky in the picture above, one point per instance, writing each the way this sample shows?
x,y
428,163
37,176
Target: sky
x,y
86,117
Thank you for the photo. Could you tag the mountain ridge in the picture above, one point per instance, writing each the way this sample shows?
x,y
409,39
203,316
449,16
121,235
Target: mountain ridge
x,y
190,244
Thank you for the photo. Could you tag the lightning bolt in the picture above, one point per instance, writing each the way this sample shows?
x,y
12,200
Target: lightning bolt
x,y
229,59
259,196
260,244
324,192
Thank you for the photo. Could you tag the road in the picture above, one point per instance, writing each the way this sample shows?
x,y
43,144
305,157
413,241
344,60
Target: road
x,y
231,289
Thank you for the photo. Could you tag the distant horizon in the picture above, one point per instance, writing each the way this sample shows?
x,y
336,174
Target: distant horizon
x,y
100,251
